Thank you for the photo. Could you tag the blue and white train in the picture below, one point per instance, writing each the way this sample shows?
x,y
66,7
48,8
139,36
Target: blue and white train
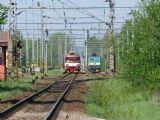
x,y
94,63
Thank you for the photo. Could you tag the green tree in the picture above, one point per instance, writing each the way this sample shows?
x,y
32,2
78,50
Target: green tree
x,y
3,14
141,49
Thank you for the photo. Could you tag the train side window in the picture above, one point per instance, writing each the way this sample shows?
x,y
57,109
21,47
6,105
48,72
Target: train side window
x,y
0,60
0,51
78,59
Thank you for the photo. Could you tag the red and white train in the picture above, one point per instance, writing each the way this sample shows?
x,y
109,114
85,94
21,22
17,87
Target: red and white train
x,y
72,62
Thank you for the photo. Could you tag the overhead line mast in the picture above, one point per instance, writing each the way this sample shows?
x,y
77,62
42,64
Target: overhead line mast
x,y
111,37
33,38
12,35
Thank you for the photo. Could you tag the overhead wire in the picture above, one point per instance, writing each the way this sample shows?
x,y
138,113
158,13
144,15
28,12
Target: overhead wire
x,y
91,16
78,9
86,12
55,9
63,4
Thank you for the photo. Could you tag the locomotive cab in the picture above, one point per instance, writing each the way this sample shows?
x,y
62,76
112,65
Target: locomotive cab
x,y
72,63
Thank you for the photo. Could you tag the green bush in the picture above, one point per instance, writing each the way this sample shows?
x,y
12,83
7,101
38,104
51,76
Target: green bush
x,y
117,100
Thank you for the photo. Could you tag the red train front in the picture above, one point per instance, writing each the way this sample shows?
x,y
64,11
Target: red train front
x,y
72,62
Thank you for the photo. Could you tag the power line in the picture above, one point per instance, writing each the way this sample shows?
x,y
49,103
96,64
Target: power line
x,y
89,14
94,34
64,29
83,11
77,8
74,23
89,43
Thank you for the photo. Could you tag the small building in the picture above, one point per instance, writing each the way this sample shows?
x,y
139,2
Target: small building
x,y
4,37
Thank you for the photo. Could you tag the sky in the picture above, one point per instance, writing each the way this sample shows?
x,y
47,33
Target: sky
x,y
121,13
57,16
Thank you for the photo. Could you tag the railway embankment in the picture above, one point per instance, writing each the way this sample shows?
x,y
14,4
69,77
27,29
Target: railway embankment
x,y
116,99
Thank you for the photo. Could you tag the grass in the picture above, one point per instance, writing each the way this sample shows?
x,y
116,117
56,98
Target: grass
x,y
115,99
15,87
54,72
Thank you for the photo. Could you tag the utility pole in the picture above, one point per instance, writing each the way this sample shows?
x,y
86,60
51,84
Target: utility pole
x,y
38,40
37,50
20,50
27,56
51,50
59,50
33,56
42,33
51,53
65,45
111,37
12,33
100,40
86,46
70,32
65,41
46,55
46,49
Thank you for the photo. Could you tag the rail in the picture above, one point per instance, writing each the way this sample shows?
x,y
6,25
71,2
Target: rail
x,y
6,113
51,114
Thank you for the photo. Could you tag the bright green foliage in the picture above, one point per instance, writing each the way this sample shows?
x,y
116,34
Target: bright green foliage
x,y
3,14
115,99
141,53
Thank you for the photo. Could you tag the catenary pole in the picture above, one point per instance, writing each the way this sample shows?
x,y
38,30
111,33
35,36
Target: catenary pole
x,y
33,38
12,34
111,37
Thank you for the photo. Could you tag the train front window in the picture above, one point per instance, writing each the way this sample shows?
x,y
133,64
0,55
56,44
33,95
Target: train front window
x,y
97,59
94,59
91,60
72,59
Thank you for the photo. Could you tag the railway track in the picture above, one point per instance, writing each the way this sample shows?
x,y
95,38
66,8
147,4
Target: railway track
x,y
43,105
